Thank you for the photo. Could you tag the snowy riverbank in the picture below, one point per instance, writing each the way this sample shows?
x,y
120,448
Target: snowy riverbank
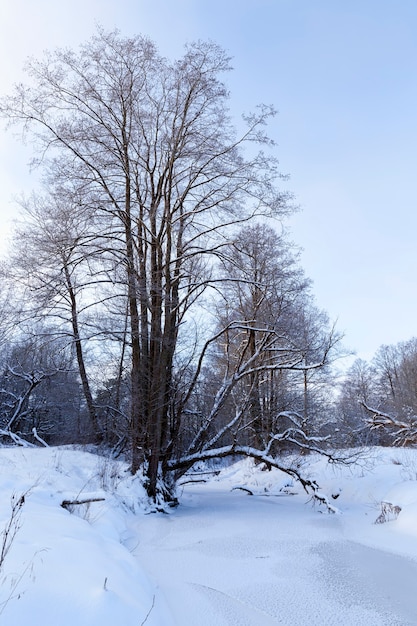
x,y
221,557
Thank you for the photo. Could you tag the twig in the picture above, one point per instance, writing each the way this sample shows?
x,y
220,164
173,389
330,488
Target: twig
x,y
248,491
12,526
188,482
149,612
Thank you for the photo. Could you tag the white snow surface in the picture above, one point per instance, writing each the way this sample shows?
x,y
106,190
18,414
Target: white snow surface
x,y
223,557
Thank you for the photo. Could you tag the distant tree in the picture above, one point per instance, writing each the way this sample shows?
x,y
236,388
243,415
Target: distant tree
x,y
393,416
112,401
396,369
266,289
359,388
39,394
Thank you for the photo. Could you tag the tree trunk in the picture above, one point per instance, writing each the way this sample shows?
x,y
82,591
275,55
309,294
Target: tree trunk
x,y
80,356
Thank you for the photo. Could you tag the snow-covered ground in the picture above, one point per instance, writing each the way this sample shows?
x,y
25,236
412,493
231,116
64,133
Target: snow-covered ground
x,y
223,557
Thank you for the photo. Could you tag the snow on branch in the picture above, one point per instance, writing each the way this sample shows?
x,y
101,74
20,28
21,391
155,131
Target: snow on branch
x,y
403,432
38,438
16,405
17,440
247,368
310,486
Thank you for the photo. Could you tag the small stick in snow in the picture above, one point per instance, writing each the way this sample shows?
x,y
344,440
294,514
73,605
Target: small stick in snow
x,y
67,503
248,491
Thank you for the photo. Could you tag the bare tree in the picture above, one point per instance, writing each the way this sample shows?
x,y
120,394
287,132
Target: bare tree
x,y
392,413
38,392
266,289
151,146
60,274
223,427
396,373
269,339
358,388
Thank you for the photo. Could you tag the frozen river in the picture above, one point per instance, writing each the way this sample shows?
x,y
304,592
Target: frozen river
x,y
226,558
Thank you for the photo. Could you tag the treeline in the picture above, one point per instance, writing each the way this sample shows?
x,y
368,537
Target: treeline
x,y
378,400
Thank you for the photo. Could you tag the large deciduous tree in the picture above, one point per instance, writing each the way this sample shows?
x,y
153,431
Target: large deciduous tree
x,y
162,178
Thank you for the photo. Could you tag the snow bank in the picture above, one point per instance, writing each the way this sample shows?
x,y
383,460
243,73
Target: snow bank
x,y
70,568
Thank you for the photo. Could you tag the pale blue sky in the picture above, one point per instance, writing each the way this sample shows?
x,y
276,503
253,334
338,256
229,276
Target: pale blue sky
x,y
343,76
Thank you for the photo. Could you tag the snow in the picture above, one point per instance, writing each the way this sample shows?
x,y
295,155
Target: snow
x,y
223,557
68,568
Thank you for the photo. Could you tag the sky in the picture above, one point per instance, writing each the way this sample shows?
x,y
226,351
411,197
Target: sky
x,y
343,77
